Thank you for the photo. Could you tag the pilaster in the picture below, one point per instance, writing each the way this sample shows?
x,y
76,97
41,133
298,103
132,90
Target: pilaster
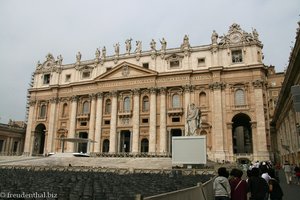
x,y
29,129
52,124
92,122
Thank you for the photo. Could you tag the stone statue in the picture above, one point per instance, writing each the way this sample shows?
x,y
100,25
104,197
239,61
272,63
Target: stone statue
x,y
138,48
163,44
186,42
38,65
59,60
78,56
117,49
97,53
128,45
193,119
103,52
153,45
214,37
255,35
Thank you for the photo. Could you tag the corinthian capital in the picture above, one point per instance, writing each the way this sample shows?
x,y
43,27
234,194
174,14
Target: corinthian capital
x,y
258,83
74,98
136,91
217,86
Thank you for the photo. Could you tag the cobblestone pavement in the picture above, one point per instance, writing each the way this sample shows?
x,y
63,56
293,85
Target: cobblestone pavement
x,y
290,191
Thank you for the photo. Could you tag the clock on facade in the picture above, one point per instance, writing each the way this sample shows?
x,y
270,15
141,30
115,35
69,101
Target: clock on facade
x,y
235,37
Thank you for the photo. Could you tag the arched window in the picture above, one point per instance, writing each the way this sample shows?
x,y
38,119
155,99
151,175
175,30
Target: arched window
x,y
175,101
202,98
65,110
43,111
107,106
239,97
85,107
145,107
126,104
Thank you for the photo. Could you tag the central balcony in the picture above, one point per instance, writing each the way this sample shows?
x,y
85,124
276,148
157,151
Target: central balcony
x,y
175,111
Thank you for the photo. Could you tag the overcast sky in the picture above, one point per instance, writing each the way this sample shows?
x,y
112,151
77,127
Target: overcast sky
x,y
29,29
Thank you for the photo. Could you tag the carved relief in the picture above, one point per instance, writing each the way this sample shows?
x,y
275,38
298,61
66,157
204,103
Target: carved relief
x,y
258,83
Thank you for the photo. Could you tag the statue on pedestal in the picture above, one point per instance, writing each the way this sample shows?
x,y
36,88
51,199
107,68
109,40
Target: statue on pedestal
x,y
193,119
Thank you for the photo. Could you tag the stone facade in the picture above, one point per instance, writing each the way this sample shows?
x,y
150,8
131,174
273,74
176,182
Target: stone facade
x,y
286,120
12,137
135,102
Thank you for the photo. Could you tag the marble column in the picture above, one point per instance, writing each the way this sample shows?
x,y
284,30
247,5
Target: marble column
x,y
52,126
72,129
113,123
92,122
218,131
98,130
261,149
136,121
152,124
163,121
187,101
29,131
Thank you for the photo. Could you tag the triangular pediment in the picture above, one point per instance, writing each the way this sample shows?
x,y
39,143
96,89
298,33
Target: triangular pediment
x,y
126,70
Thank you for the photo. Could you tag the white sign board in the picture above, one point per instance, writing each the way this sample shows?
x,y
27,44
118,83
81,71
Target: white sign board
x,y
189,150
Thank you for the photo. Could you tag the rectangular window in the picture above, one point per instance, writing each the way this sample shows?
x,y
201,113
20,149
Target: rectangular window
x,y
108,69
106,122
145,120
46,79
146,65
237,56
83,123
174,64
201,62
86,74
175,119
68,78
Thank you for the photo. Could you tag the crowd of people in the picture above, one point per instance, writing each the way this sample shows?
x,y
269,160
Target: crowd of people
x,y
260,183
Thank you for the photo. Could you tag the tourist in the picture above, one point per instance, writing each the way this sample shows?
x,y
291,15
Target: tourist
x,y
238,186
257,186
274,187
288,172
297,173
221,185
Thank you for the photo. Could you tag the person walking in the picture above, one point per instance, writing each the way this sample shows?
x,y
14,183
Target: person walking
x,y
257,186
288,172
221,185
275,190
238,186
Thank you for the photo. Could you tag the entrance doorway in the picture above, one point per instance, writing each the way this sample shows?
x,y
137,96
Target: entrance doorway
x,y
125,141
105,147
145,145
39,140
174,133
82,147
241,134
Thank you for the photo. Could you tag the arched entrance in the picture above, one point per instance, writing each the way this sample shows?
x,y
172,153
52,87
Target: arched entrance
x,y
39,139
125,141
144,145
105,147
241,134
82,147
